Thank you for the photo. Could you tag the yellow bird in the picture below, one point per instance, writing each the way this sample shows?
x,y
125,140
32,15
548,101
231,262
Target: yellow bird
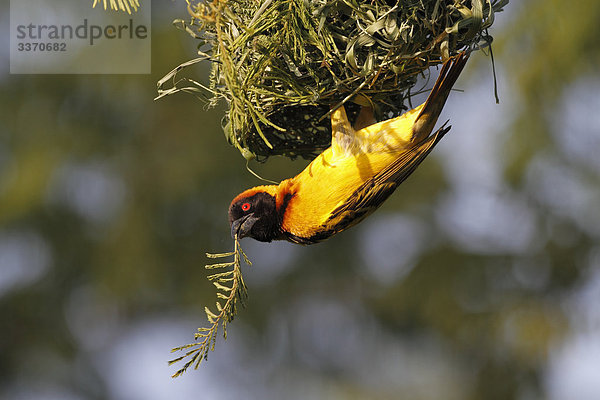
x,y
350,179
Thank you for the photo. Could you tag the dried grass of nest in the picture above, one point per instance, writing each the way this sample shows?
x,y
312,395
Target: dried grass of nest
x,y
282,64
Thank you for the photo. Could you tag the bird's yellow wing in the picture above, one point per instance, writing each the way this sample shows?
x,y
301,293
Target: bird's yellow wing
x,y
362,168
373,192
329,197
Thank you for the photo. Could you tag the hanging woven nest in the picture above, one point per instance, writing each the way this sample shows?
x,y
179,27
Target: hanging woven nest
x,y
281,65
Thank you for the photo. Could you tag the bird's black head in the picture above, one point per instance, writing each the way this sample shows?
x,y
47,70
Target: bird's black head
x,y
254,213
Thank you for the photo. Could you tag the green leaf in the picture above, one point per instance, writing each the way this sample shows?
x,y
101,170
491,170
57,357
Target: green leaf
x,y
227,306
122,5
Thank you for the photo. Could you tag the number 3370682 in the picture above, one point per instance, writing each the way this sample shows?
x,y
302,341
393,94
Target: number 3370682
x,y
34,46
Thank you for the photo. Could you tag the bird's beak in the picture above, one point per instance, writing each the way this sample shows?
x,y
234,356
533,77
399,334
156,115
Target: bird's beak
x,y
242,226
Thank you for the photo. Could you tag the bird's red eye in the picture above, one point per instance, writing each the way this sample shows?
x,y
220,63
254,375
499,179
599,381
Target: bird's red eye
x,y
246,206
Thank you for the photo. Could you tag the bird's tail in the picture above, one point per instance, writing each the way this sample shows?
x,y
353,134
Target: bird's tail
x,y
427,118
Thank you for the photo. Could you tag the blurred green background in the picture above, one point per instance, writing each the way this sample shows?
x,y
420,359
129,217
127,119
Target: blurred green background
x,y
478,279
